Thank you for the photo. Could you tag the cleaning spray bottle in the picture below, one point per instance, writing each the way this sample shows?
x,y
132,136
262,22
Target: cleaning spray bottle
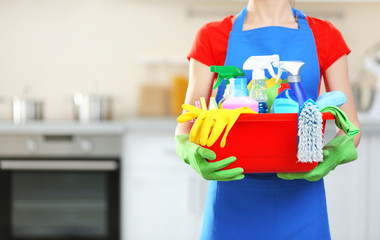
x,y
294,78
229,73
227,92
258,64
239,97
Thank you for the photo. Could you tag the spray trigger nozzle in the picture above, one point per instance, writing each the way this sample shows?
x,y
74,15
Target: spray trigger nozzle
x,y
226,72
292,67
258,64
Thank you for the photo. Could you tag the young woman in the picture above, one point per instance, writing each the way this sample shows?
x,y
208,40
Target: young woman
x,y
267,206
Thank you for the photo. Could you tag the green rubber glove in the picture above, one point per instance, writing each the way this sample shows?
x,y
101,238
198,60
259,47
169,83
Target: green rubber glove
x,y
197,156
338,151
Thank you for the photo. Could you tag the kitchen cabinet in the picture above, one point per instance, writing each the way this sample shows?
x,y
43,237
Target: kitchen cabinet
x,y
163,196
353,194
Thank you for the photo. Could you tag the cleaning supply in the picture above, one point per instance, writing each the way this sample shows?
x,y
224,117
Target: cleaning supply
x,y
198,104
227,92
258,64
269,82
273,90
294,78
239,96
229,73
259,93
341,120
283,86
310,134
192,113
273,81
203,103
333,98
212,104
285,102
338,151
272,93
197,156
210,124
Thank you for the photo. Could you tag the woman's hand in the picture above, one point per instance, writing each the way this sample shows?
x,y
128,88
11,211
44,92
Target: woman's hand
x,y
197,156
338,151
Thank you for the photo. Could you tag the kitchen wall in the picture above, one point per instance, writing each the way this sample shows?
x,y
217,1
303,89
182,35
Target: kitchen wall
x,y
55,48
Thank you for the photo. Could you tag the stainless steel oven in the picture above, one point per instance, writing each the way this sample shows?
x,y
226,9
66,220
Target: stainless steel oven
x,y
59,187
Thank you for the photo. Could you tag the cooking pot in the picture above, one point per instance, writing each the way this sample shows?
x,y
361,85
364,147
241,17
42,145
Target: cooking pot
x,y
26,109
92,107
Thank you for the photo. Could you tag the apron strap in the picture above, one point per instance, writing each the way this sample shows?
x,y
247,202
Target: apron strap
x,y
301,19
238,24
299,15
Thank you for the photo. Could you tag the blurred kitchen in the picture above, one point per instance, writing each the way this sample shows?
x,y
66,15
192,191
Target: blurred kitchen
x,y
92,88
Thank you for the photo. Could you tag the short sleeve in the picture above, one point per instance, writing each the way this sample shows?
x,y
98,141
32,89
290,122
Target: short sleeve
x,y
337,47
201,49
211,42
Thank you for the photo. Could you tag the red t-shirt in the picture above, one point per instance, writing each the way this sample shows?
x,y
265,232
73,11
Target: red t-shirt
x,y
210,45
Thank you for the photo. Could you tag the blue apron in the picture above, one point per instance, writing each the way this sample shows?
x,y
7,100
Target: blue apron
x,y
262,206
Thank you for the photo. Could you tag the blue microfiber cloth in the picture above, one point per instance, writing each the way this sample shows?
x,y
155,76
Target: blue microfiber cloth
x,y
310,136
333,98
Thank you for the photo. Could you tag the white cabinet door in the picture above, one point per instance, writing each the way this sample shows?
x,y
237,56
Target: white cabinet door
x,y
163,197
374,189
160,207
346,192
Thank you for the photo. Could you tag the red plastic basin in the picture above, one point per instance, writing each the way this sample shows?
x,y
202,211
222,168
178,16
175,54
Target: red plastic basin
x,y
265,143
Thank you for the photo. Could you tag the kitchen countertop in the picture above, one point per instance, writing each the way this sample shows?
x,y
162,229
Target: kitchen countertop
x,y
152,124
106,127
116,127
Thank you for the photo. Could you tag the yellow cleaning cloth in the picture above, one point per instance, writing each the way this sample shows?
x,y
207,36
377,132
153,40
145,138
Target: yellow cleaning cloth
x,y
270,83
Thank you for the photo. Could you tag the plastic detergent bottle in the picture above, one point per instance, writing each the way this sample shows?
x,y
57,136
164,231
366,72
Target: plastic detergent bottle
x,y
285,102
282,87
258,64
294,78
239,97
227,92
229,73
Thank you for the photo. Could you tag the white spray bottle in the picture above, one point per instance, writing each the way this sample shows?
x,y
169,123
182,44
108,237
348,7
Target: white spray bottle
x,y
258,64
294,78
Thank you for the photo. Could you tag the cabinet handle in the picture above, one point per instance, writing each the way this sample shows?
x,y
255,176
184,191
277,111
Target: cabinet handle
x,y
59,165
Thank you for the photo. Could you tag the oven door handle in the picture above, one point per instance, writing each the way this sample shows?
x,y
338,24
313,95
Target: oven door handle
x,y
59,165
